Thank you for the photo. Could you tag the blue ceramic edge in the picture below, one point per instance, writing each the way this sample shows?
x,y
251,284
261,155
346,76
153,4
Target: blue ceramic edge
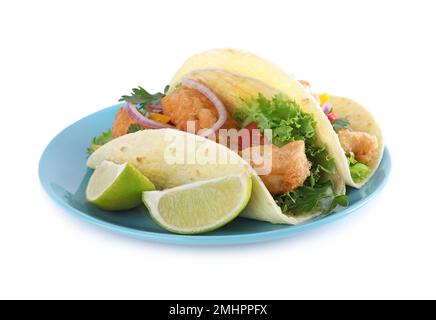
x,y
205,240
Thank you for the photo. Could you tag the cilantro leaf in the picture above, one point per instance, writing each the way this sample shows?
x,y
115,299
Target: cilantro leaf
x,y
341,123
97,142
359,171
321,198
143,98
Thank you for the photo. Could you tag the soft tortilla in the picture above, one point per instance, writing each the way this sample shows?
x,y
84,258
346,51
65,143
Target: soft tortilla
x,y
147,150
233,74
360,120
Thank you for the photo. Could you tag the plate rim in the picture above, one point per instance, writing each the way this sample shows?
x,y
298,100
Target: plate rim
x,y
200,239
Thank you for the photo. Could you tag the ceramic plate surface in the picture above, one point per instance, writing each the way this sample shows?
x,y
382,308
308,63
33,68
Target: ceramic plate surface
x,y
64,176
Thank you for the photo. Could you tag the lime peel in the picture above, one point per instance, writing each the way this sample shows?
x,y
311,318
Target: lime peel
x,y
201,206
116,187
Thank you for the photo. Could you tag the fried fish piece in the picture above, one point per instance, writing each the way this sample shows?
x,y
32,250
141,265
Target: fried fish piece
x,y
187,104
289,167
363,145
122,123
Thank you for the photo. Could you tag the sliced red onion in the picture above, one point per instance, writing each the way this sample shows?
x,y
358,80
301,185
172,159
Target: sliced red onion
x,y
220,108
139,117
156,108
327,108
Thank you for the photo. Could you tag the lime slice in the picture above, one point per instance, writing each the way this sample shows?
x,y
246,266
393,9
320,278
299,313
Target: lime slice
x,y
200,206
117,187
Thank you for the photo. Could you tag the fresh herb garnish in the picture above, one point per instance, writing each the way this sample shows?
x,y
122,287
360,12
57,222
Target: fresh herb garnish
x,y
289,123
143,98
359,171
341,123
97,142
305,199
134,127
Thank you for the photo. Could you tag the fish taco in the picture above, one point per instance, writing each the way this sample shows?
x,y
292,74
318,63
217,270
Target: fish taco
x,y
359,134
276,121
359,146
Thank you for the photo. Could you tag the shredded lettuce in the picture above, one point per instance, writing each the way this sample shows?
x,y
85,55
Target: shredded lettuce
x,y
97,142
289,123
359,171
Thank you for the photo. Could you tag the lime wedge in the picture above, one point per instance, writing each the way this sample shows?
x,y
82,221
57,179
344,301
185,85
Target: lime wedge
x,y
117,187
200,206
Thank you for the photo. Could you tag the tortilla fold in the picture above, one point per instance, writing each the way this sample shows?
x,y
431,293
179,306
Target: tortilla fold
x,y
148,151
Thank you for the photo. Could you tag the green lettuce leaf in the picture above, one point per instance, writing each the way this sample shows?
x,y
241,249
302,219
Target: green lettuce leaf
x,y
359,171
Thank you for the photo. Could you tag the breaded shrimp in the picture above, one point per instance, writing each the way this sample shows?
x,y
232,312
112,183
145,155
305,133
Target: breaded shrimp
x,y
290,167
122,123
187,104
363,145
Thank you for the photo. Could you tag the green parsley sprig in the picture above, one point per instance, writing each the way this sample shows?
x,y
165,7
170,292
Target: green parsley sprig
x,y
141,97
341,123
306,199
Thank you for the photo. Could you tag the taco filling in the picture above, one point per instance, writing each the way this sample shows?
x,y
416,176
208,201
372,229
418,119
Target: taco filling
x,y
302,169
360,148
301,175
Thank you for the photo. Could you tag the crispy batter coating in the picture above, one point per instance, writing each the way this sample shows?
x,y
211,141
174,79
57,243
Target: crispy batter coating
x,y
187,104
363,145
290,167
182,105
122,123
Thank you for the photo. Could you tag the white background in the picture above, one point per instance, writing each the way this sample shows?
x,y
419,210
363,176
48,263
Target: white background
x,y
62,60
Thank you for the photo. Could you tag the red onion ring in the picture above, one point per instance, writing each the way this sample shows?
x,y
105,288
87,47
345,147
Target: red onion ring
x,y
220,108
327,108
139,117
156,108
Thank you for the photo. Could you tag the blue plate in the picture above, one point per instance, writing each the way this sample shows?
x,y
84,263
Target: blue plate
x,y
64,176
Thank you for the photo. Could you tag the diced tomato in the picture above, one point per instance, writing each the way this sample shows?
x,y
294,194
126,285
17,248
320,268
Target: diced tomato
x,y
251,126
332,116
